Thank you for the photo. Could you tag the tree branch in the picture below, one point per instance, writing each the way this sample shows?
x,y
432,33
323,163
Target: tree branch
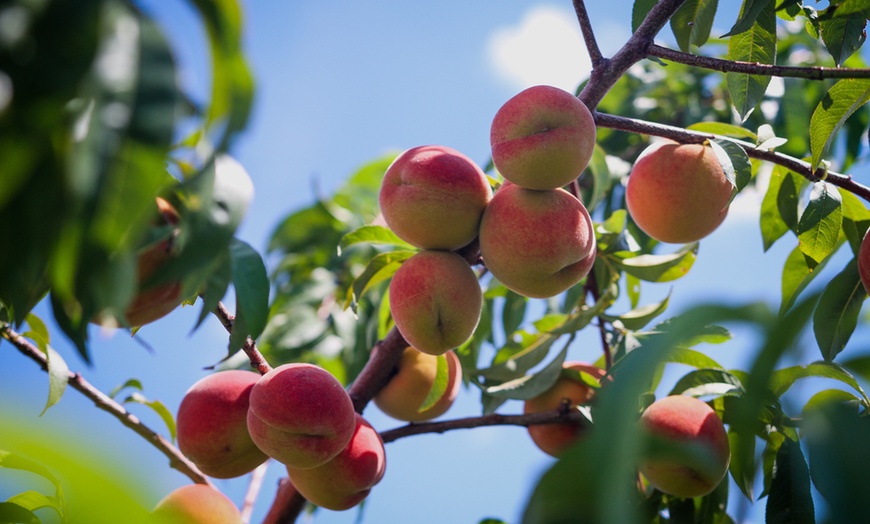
x,y
494,419
754,68
595,56
258,362
679,134
177,460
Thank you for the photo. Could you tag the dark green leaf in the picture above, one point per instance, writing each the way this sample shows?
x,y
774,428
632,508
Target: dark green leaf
x,y
659,268
33,501
13,513
752,39
692,23
252,294
639,10
782,379
839,103
790,500
530,386
796,276
735,163
820,223
843,35
837,312
773,227
742,467
513,311
850,7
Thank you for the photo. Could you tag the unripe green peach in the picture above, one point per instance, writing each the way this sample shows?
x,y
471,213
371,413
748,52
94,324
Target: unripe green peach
x,y
196,504
347,479
542,138
678,193
435,300
553,439
864,261
300,415
433,197
685,420
537,243
212,427
402,397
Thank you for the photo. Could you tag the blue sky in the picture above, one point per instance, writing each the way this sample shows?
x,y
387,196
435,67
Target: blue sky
x,y
339,83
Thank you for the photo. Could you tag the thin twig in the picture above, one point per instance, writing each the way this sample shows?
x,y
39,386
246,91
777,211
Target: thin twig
x,y
679,134
177,460
258,362
592,48
253,491
754,68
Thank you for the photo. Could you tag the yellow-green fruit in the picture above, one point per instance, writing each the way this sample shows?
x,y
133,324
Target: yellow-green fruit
x,y
686,421
537,243
404,395
435,300
196,504
542,138
678,193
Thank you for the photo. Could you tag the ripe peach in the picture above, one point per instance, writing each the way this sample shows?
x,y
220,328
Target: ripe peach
x,y
678,193
212,424
433,197
864,262
415,375
300,415
537,243
685,420
553,439
435,300
196,504
542,138
346,480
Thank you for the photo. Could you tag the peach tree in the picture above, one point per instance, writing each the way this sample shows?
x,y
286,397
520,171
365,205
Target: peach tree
x,y
120,202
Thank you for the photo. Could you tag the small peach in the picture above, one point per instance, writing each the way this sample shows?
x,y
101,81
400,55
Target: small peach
x,y
402,397
196,504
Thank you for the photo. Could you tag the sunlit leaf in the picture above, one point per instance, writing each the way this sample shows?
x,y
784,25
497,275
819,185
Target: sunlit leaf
x,y
839,103
752,39
158,407
724,129
659,268
836,315
843,35
439,386
372,235
251,284
820,223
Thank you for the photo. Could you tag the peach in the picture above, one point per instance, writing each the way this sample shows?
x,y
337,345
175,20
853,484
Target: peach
x,y
403,396
864,262
542,138
346,480
553,439
685,420
212,424
678,193
196,504
537,243
433,197
300,415
435,300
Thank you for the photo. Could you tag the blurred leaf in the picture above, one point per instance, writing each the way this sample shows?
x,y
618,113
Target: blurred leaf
x,y
523,356
130,383
820,223
12,512
721,128
843,35
359,193
839,103
158,407
690,357
692,23
752,39
703,382
638,318
530,386
773,227
790,500
796,276
659,268
252,294
379,269
600,179
34,501
837,312
439,386
15,461
828,396
782,379
372,235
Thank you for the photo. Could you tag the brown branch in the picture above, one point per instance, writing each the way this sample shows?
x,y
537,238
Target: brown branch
x,y
754,68
494,419
595,56
287,506
607,72
384,358
686,136
177,460
592,288
258,362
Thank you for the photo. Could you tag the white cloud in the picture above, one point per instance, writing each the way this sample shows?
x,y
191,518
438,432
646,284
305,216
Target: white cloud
x,y
545,47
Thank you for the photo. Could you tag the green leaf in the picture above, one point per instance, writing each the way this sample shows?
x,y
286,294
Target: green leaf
x,y
839,103
15,461
828,396
790,500
723,129
530,386
837,312
58,378
251,283
380,268
850,7
601,177
639,10
11,512
735,163
521,357
439,386
702,382
372,235
158,407
796,276
752,39
690,357
659,268
130,383
692,23
742,467
33,501
773,227
783,379
513,311
820,223
843,35
638,318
